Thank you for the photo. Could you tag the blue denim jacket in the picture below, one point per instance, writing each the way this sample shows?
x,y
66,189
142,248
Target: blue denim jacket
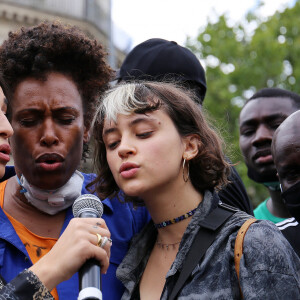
x,y
123,222
269,268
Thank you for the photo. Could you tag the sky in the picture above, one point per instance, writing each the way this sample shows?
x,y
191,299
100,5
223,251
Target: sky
x,y
177,19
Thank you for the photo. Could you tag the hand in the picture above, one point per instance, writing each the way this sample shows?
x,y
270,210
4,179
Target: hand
x,y
76,245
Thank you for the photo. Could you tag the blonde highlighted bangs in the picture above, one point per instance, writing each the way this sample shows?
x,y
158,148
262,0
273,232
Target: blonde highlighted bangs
x,y
123,99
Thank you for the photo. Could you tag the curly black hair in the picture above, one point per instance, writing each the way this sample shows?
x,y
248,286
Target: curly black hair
x,y
52,46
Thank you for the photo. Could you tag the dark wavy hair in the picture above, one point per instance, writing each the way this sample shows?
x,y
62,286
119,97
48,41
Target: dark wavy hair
x,y
54,47
207,170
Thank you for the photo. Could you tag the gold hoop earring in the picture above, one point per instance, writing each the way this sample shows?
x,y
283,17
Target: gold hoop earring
x,y
185,178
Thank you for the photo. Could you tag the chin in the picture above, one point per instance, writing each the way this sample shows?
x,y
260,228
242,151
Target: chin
x,y
2,171
132,191
268,170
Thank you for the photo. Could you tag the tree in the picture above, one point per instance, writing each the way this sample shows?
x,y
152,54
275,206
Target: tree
x,y
239,62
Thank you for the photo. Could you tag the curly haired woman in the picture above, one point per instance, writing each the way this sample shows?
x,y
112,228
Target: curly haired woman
x,y
55,74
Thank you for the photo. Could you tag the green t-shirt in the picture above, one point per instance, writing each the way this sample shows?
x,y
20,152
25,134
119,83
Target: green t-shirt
x,y
261,212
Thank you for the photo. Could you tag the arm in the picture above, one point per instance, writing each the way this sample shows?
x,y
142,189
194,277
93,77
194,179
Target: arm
x,y
76,245
25,286
269,268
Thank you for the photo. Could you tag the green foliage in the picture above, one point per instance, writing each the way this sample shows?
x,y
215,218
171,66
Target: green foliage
x,y
238,63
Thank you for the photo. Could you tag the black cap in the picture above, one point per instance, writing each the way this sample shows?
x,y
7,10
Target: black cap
x,y
158,59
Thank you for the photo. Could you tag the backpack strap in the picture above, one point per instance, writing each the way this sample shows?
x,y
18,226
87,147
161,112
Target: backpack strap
x,y
238,247
209,229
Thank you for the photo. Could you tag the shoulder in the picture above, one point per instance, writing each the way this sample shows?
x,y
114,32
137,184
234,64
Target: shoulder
x,y
269,264
287,223
267,250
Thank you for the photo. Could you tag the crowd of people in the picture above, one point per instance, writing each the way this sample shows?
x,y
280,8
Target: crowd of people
x,y
160,172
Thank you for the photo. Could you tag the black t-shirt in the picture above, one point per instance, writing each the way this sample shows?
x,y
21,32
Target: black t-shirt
x,y
290,228
235,194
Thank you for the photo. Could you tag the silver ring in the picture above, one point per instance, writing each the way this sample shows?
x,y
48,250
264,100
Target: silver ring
x,y
104,241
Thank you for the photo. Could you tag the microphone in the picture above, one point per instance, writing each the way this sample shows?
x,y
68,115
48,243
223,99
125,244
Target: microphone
x,y
89,206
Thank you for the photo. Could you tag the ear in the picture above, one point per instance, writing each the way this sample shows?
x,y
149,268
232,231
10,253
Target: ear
x,y
86,134
191,143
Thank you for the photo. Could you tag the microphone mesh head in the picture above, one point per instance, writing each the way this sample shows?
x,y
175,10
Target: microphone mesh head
x,y
87,202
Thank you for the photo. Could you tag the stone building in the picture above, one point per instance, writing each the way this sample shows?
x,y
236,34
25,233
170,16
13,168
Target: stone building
x,y
92,16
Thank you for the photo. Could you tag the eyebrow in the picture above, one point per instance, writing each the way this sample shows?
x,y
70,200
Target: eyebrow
x,y
267,118
132,123
55,110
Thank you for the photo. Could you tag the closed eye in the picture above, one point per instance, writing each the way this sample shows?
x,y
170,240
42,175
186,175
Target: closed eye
x,y
28,122
113,145
144,135
247,132
66,120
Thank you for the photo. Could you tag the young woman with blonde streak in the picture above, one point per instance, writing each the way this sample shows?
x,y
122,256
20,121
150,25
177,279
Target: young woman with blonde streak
x,y
154,144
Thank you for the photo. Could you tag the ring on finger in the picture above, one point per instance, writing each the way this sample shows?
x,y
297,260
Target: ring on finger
x,y
99,239
104,241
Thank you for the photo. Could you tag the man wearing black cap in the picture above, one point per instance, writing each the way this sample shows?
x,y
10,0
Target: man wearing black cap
x,y
162,60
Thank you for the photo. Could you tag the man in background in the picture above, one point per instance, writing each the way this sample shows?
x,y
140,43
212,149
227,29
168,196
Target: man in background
x,y
259,118
286,154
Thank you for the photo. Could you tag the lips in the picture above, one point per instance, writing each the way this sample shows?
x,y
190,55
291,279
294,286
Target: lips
x,y
263,157
50,161
4,152
128,169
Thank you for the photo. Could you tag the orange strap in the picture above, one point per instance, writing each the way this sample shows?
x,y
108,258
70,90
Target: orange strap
x,y
238,247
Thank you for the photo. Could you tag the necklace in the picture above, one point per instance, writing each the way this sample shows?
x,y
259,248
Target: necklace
x,y
175,220
167,246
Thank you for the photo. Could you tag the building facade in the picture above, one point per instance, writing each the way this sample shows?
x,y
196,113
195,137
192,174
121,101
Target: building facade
x,y
92,16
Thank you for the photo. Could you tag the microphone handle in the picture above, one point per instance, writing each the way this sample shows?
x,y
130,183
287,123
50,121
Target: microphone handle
x,y
89,275
90,272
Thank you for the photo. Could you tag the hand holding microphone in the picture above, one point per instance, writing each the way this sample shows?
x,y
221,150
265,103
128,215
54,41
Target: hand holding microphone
x,y
79,245
90,206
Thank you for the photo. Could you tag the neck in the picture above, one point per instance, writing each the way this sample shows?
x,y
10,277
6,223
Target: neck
x,y
171,204
276,206
34,220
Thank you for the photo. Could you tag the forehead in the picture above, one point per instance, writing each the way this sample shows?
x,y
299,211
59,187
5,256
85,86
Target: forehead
x,y
261,108
159,117
287,139
57,89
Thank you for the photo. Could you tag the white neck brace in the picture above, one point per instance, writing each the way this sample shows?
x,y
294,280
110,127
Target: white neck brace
x,y
53,201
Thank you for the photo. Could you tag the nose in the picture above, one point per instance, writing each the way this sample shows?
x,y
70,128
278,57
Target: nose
x,y
6,130
49,136
126,148
263,135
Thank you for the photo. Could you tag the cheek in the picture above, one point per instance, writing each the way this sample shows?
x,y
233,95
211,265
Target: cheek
x,y
74,144
162,155
111,161
20,144
244,145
